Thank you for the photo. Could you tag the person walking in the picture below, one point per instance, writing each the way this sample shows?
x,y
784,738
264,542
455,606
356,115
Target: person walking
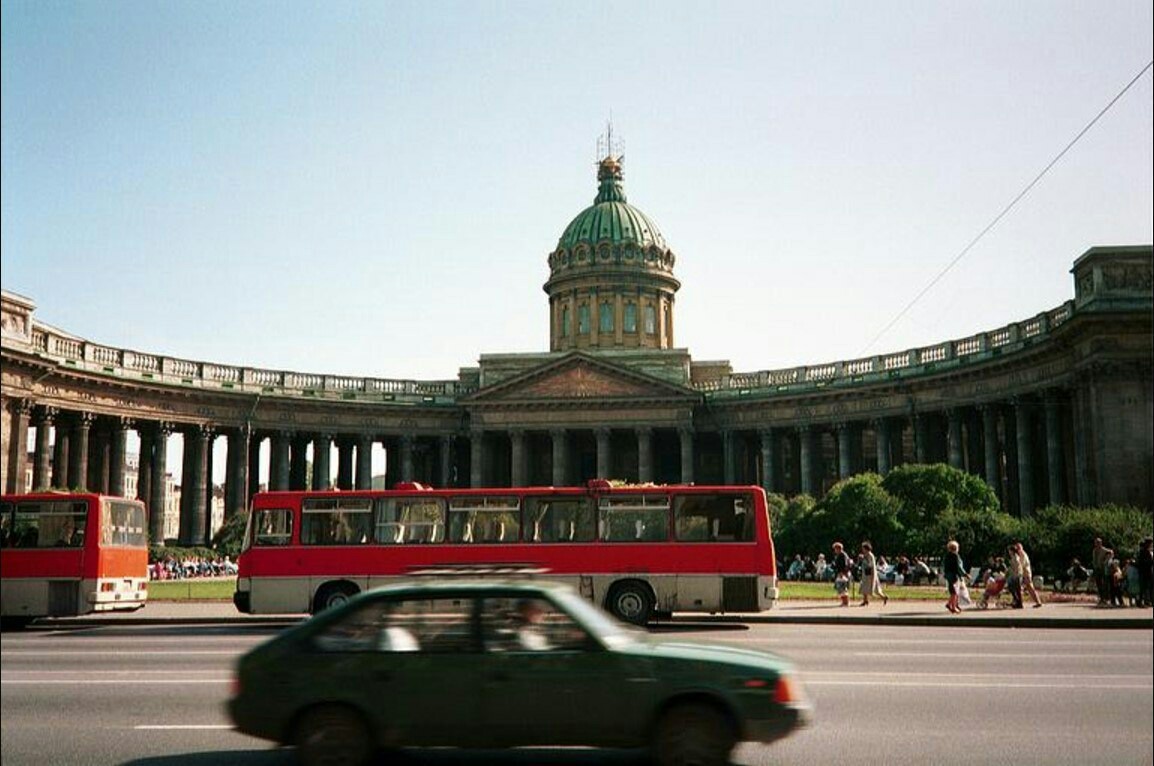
x,y
952,570
1028,575
1145,562
842,573
1100,562
1014,574
870,581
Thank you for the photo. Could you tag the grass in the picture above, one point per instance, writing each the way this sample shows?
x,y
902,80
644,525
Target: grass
x,y
192,590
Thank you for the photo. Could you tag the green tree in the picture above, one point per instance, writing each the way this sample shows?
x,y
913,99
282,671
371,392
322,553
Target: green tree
x,y
927,491
230,536
859,508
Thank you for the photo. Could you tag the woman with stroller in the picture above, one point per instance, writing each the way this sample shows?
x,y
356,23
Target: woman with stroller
x,y
952,569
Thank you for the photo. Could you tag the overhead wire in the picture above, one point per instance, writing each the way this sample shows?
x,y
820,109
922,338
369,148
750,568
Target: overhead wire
x,y
1005,210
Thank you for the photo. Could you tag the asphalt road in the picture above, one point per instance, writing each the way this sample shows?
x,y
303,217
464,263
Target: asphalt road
x,y
884,694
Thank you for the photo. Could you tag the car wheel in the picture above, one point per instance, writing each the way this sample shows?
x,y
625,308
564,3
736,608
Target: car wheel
x,y
332,596
693,735
631,602
332,735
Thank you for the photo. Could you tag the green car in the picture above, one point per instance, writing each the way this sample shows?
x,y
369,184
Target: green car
x,y
496,665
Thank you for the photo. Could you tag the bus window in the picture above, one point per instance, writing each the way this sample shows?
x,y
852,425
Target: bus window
x,y
484,520
272,526
713,518
336,521
50,524
634,518
123,524
559,520
409,520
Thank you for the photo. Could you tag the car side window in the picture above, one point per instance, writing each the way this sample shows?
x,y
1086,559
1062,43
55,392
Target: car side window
x,y
530,624
430,626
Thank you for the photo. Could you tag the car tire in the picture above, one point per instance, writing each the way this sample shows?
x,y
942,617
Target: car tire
x,y
693,735
631,602
332,596
332,735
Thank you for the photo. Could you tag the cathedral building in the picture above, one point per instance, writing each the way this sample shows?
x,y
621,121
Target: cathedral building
x,y
1055,408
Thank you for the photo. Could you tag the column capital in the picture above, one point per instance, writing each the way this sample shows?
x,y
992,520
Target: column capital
x,y
84,420
21,407
46,415
643,430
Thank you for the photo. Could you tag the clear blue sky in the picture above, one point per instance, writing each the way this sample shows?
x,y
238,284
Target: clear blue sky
x,y
328,187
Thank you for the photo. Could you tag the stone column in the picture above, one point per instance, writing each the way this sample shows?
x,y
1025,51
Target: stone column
x,y
78,452
365,462
447,461
16,459
604,459
686,436
147,434
805,442
768,461
116,453
517,457
60,451
559,437
278,475
644,454
345,464
236,479
882,445
921,439
158,483
253,480
1025,458
955,439
477,457
990,448
299,462
406,457
1054,462
41,468
322,460
196,443
98,458
844,433
727,457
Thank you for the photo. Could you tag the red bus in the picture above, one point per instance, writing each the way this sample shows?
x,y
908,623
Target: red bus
x,y
67,554
640,551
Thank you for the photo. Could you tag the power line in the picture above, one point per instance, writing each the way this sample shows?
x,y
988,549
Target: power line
x,y
1005,210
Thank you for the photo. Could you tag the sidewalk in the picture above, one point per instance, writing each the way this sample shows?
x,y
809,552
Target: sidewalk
x,y
1056,614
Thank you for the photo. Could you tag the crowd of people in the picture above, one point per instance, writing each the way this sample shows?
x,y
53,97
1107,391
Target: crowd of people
x,y
1117,581
171,568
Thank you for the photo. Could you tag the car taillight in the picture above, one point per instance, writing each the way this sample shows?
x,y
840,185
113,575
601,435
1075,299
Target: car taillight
x,y
787,692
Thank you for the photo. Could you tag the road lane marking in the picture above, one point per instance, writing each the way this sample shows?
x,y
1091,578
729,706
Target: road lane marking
x,y
78,652
933,684
181,726
109,681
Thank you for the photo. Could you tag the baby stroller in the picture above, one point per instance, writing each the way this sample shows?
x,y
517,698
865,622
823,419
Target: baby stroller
x,y
996,593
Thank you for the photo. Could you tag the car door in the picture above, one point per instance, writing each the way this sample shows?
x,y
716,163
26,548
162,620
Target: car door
x,y
409,663
558,688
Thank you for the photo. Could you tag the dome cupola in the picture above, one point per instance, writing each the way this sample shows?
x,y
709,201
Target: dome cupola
x,y
611,282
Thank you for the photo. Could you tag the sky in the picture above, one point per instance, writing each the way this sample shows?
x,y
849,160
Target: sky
x,y
373,188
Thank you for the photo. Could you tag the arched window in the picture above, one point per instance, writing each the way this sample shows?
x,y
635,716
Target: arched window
x,y
605,317
564,321
630,317
583,318
650,320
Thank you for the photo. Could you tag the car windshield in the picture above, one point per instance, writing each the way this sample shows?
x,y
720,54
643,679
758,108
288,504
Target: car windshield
x,y
609,631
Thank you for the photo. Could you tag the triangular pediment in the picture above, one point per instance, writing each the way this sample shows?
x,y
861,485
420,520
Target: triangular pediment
x,y
580,377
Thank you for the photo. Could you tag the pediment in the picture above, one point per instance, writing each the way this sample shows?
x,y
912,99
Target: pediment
x,y
581,377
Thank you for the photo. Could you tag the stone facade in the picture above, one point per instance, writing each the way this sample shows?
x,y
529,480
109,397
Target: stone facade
x,y
1055,408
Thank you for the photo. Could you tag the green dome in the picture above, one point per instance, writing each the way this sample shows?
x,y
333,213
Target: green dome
x,y
611,218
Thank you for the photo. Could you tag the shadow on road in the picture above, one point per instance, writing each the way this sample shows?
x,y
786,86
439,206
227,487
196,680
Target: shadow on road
x,y
433,757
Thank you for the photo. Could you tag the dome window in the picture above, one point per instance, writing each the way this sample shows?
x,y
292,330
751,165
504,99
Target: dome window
x,y
583,319
630,319
605,317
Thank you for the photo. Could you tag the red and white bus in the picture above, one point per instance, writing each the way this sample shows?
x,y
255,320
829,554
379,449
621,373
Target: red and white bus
x,y
66,554
640,551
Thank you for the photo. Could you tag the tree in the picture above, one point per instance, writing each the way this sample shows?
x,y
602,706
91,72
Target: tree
x,y
859,508
927,491
230,536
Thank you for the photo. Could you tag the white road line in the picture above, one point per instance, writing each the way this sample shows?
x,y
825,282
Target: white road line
x,y
182,727
110,681
984,685
79,652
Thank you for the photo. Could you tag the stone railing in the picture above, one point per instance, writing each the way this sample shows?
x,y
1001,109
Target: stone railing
x,y
151,368
91,357
902,364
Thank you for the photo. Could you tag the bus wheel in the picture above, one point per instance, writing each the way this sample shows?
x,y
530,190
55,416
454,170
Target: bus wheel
x,y
333,595
693,735
631,602
332,735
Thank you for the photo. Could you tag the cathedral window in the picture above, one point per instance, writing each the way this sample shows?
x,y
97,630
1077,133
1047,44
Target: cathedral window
x,y
630,317
605,317
650,320
583,318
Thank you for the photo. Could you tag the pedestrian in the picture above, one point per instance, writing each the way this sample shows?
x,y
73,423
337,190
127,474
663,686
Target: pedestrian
x,y
1100,562
1130,575
842,575
1028,575
1117,583
952,569
1014,575
1145,571
870,581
